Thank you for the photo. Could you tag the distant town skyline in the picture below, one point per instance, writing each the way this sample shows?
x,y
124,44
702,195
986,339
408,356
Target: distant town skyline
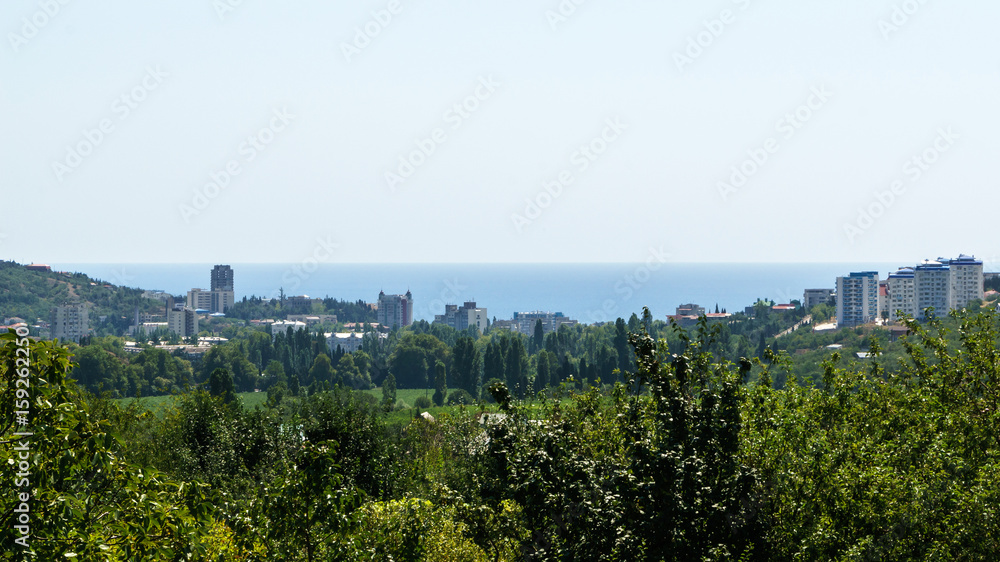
x,y
567,131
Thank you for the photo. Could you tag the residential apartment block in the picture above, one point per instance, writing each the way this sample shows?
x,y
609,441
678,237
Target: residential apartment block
x,y
966,280
462,317
222,278
902,294
183,321
933,287
395,311
70,322
212,301
524,322
220,297
199,299
941,284
813,297
857,298
690,309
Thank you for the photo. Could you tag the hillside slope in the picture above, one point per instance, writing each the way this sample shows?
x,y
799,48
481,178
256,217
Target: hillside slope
x,y
31,295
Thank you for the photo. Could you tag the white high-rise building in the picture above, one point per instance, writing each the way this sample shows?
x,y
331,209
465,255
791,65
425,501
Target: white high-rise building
x,y
395,311
857,298
966,280
902,294
932,281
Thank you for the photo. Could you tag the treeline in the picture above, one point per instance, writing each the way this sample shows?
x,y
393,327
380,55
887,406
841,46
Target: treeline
x,y
688,456
302,362
254,307
298,361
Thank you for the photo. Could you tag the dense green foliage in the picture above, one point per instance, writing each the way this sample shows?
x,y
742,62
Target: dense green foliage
x,y
684,455
257,307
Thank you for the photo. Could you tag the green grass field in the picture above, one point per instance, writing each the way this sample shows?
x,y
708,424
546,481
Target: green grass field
x,y
157,404
250,400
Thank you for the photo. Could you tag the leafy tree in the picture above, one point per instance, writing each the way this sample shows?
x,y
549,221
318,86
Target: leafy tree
x,y
275,371
354,421
276,393
363,362
221,385
304,513
412,356
322,370
602,480
98,368
230,356
84,499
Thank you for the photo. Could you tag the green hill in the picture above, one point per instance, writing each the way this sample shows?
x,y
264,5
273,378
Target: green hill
x,y
31,295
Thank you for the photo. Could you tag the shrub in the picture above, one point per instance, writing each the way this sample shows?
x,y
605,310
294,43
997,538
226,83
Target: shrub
x,y
422,403
460,396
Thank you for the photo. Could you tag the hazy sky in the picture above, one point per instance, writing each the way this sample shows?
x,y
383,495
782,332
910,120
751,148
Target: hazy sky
x,y
235,131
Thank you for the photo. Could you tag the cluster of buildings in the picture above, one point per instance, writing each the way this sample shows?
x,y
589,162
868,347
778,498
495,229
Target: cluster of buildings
x,y
941,284
397,311
219,297
182,313
462,317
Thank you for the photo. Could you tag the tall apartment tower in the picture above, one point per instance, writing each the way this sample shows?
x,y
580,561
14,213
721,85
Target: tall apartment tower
x,y
222,296
902,293
222,278
932,281
395,311
70,322
966,280
857,299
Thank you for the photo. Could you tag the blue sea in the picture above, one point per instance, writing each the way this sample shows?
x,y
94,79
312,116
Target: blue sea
x,y
586,292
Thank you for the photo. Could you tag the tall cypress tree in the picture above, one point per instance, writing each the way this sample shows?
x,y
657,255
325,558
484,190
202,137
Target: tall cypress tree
x,y
440,383
539,337
517,367
465,367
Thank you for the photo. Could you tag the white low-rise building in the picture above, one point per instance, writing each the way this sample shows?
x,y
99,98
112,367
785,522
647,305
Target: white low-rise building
x,y
350,342
282,326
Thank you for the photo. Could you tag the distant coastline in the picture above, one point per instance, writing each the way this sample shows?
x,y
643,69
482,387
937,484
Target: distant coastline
x,y
587,292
